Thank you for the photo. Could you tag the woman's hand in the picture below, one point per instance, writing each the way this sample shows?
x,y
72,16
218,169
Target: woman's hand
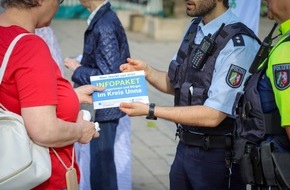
x,y
135,108
87,129
85,92
71,64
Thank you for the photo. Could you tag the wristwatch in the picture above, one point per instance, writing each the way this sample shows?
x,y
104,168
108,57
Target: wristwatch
x,y
151,112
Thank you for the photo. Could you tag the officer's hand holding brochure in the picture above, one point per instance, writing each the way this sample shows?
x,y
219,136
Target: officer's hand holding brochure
x,y
119,87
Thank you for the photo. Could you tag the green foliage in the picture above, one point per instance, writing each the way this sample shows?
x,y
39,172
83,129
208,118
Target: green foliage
x,y
168,8
151,124
263,11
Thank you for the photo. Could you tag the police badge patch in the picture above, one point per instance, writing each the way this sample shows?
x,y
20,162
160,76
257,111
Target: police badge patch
x,y
235,76
281,76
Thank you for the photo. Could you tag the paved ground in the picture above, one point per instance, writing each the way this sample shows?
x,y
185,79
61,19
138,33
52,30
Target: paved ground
x,y
153,144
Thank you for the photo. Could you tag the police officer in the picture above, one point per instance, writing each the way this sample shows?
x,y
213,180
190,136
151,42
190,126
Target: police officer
x,y
274,86
204,76
263,119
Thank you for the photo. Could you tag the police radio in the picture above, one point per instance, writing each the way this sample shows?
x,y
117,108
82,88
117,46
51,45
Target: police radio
x,y
204,50
263,51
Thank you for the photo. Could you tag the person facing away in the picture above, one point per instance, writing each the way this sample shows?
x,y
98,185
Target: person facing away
x,y
105,49
34,88
204,93
266,121
47,34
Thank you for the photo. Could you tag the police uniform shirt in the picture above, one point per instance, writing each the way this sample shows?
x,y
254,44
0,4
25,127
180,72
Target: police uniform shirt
x,y
232,64
278,71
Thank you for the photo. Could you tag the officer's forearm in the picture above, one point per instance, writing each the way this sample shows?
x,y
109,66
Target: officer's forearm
x,y
202,116
159,80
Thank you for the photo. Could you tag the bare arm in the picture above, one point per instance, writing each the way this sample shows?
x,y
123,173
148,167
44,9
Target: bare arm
x,y
201,116
156,78
46,129
159,80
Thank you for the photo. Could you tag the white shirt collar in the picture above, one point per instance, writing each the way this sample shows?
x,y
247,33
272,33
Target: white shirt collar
x,y
95,11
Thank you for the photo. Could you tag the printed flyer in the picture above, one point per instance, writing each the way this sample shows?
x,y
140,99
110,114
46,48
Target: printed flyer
x,y
120,87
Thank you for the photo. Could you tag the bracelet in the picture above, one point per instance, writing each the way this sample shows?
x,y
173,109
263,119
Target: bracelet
x,y
151,112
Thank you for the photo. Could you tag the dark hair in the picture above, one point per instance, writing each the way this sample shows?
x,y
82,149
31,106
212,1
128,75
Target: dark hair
x,y
226,3
19,3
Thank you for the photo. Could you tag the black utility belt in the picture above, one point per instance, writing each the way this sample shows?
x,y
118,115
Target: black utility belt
x,y
205,141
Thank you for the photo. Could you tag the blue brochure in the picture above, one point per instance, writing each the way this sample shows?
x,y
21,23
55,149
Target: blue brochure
x,y
120,87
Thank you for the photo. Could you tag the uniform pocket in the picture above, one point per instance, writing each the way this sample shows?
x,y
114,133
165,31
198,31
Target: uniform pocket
x,y
173,72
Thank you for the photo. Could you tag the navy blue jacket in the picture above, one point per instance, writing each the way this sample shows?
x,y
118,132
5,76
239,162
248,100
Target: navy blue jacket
x,y
105,49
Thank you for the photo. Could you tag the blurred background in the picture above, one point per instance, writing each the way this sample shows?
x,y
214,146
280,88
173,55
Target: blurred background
x,y
163,8
160,19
